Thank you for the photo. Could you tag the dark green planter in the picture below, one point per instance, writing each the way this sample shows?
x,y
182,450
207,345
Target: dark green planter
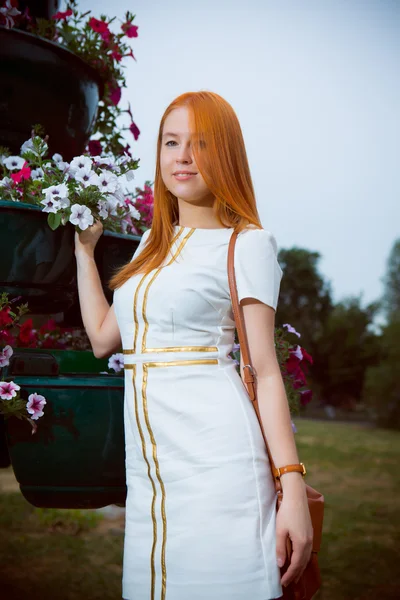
x,y
76,459
39,264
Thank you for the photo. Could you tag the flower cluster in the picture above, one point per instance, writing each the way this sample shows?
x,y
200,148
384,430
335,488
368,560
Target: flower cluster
x,y
292,360
88,188
92,40
11,402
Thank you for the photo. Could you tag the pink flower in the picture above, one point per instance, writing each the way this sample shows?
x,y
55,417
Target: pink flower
x,y
98,26
6,337
5,318
24,173
95,147
8,390
35,405
62,15
129,29
133,128
116,54
115,94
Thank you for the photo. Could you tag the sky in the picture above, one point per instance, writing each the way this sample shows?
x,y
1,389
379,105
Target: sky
x,y
315,85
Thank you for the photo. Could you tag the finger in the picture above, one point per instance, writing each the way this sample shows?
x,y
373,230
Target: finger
x,y
281,547
296,564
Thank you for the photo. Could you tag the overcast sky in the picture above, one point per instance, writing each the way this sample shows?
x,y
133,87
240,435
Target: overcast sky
x,y
315,85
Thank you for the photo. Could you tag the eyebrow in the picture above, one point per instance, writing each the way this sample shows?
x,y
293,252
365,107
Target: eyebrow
x,y
170,133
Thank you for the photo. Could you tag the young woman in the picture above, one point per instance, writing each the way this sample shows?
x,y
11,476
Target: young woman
x,y
201,521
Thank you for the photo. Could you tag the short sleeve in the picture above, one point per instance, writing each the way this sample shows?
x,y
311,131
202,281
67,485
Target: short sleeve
x,y
257,271
141,244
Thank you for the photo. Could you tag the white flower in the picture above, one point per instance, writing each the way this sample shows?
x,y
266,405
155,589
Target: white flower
x,y
14,163
105,160
60,163
112,204
5,356
57,157
130,175
57,192
107,182
81,216
64,203
8,11
29,146
37,174
6,182
133,212
86,176
80,162
51,205
116,362
102,206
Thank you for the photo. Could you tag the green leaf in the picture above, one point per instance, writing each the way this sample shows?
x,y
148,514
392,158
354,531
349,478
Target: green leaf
x,y
54,220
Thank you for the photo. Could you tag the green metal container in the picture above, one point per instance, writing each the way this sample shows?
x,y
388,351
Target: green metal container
x,y
76,459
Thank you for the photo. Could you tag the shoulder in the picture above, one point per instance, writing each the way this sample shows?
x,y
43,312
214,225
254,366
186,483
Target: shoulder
x,y
257,240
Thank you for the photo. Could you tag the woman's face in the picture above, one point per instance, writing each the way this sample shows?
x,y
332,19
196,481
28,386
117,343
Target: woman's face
x,y
176,155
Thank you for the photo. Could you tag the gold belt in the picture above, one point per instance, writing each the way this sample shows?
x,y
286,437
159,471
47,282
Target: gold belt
x,y
175,363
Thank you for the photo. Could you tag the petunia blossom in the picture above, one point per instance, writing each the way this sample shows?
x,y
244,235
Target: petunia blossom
x,y
107,182
61,16
5,356
81,216
97,25
37,174
56,191
291,329
35,405
116,362
129,29
24,173
86,176
50,205
14,163
7,12
8,390
80,162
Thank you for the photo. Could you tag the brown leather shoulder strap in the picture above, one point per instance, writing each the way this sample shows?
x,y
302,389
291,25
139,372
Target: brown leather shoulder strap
x,y
248,370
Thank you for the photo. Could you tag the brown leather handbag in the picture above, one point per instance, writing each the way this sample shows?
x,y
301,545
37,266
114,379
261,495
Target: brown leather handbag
x,y
310,580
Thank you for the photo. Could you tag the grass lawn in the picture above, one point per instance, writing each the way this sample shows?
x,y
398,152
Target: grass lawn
x,y
73,555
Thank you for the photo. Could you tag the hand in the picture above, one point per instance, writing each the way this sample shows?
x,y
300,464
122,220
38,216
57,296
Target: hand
x,y
293,518
86,240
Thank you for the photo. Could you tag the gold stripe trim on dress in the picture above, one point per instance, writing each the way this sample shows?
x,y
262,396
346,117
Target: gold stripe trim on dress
x,y
177,363
153,512
155,458
137,292
177,349
146,323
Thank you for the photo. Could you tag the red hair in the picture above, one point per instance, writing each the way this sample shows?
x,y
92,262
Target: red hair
x,y
223,166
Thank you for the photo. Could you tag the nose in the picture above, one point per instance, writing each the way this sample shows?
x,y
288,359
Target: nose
x,y
184,153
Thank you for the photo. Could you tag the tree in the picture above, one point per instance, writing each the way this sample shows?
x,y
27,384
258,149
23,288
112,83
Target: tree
x,y
391,299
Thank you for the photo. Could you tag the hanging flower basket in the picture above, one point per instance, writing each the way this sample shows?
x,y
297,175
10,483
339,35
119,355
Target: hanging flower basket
x,y
42,82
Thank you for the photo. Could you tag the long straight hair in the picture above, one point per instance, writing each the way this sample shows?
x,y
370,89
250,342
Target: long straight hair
x,y
220,155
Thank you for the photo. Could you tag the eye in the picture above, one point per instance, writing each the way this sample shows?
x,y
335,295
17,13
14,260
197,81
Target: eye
x,y
171,141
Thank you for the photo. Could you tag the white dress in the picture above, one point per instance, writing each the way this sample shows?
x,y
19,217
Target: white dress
x,y
200,508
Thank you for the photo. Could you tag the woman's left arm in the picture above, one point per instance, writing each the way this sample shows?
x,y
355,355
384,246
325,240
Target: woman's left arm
x,y
293,517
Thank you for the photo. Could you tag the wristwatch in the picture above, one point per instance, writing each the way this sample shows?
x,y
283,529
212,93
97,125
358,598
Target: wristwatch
x,y
288,469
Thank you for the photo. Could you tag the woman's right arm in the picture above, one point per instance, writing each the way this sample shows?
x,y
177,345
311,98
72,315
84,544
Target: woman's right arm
x,y
98,317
